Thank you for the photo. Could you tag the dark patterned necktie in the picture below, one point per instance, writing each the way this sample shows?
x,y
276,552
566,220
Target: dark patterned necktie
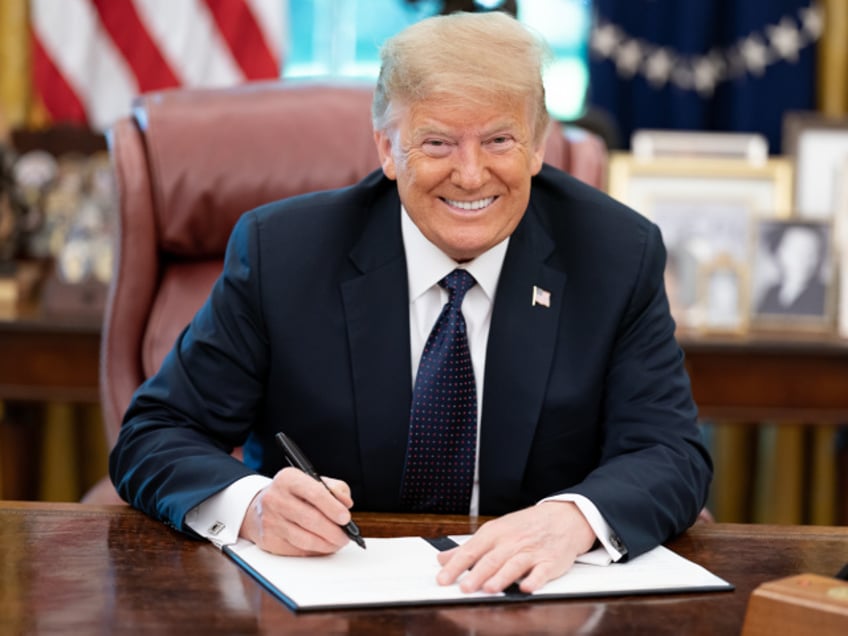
x,y
439,471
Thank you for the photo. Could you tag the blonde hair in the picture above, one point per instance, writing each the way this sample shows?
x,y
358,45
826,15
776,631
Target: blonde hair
x,y
475,56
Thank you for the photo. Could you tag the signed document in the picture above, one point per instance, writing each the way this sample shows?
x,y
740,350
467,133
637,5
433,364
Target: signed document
x,y
402,571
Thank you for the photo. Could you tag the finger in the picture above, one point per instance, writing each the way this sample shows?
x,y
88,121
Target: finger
x,y
297,540
340,490
541,574
288,504
266,525
447,555
511,570
302,514
455,562
484,570
315,493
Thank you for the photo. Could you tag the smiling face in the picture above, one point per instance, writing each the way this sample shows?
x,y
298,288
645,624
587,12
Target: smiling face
x,y
463,168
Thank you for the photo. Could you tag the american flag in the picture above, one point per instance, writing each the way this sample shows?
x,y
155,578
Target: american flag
x,y
91,57
541,297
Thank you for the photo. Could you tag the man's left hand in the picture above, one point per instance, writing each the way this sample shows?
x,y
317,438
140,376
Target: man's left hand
x,y
534,545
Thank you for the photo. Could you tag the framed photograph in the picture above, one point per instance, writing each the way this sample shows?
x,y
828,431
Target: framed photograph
x,y
818,145
723,296
648,144
706,210
840,243
792,280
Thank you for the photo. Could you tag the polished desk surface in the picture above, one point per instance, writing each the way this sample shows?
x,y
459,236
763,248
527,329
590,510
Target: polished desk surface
x,y
99,569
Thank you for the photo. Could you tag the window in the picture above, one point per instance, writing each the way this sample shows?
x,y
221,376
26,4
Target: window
x,y
342,38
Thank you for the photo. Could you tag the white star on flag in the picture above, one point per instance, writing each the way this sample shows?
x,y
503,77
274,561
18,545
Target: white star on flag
x,y
812,20
755,54
786,39
658,67
541,297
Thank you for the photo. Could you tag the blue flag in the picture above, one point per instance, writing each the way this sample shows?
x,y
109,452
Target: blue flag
x,y
720,65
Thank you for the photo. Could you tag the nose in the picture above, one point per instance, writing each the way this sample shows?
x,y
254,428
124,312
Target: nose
x,y
470,171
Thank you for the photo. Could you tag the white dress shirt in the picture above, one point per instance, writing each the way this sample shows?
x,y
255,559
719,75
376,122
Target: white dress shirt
x,y
220,516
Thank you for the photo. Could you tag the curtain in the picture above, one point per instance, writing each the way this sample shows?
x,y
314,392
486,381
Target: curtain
x,y
723,65
15,86
833,60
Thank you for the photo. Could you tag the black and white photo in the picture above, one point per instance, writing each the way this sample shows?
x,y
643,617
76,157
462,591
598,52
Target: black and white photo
x,y
793,271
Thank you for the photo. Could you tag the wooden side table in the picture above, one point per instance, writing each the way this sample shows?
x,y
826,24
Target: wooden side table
x,y
46,358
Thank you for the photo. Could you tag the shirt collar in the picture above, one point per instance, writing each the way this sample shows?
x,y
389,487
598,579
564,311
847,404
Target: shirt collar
x,y
426,264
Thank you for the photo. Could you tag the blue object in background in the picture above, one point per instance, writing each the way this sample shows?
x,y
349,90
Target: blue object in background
x,y
342,39
722,65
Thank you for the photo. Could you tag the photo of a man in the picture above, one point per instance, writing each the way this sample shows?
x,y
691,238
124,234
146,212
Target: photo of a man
x,y
792,269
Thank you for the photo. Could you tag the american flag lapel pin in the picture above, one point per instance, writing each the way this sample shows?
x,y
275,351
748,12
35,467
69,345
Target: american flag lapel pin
x,y
541,297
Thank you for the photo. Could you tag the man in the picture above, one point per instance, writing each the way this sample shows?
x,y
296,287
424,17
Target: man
x,y
798,255
578,421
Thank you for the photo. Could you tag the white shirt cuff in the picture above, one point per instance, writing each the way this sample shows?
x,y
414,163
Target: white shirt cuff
x,y
613,548
219,517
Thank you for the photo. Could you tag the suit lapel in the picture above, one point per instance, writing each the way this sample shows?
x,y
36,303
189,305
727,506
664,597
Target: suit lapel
x,y
518,359
377,315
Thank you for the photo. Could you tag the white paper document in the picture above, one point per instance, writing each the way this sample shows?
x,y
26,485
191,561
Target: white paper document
x,y
402,571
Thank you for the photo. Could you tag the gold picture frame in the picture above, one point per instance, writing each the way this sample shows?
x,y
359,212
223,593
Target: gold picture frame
x,y
706,209
723,290
649,143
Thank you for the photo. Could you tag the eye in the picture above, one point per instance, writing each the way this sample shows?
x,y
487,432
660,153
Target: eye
x,y
500,142
436,147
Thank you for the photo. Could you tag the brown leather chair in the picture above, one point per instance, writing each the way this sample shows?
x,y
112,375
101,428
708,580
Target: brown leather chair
x,y
188,163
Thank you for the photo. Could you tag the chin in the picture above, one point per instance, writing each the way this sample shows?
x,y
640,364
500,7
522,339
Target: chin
x,y
464,253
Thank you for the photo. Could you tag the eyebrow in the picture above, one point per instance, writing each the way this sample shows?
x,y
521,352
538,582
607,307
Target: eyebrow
x,y
497,127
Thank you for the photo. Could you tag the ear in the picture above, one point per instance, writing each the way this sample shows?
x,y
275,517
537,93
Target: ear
x,y
537,159
384,150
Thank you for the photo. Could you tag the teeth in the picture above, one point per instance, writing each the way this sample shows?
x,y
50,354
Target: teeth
x,y
470,205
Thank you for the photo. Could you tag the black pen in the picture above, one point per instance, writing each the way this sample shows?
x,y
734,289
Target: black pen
x,y
297,459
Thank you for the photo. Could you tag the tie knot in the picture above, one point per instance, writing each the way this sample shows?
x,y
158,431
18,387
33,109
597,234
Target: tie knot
x,y
457,283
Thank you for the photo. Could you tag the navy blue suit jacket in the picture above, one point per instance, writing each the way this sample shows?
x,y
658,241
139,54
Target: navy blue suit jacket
x,y
307,331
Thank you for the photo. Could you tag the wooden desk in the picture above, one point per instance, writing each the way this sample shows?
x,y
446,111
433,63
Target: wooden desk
x,y
85,569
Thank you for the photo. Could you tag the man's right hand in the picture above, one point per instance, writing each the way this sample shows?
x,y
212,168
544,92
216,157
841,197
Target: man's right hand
x,y
297,516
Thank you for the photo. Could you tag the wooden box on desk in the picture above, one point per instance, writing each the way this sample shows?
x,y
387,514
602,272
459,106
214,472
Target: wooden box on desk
x,y
798,606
